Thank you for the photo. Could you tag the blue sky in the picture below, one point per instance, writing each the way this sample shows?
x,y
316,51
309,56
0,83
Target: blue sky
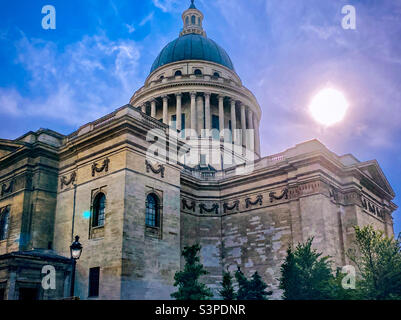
x,y
284,51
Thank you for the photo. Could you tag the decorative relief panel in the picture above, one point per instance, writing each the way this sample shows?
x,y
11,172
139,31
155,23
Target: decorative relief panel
x,y
233,207
259,200
159,170
284,195
372,208
67,181
7,189
185,205
214,208
104,167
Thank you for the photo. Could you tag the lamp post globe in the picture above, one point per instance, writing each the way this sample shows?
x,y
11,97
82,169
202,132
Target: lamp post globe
x,y
75,251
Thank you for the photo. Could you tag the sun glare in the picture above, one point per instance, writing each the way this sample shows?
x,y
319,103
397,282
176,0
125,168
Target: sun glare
x,y
329,107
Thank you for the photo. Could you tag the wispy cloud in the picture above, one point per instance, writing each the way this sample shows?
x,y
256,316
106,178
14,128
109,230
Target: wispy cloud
x,y
130,28
167,5
148,18
80,83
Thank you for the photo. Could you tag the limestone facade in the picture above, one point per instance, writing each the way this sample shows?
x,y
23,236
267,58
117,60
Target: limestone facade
x,y
245,213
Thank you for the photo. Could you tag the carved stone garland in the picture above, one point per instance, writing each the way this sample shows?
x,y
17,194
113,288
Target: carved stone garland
x,y
104,167
215,208
5,190
259,200
273,196
65,182
235,206
149,167
186,206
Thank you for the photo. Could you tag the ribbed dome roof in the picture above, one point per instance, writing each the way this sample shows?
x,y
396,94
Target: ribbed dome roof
x,y
192,47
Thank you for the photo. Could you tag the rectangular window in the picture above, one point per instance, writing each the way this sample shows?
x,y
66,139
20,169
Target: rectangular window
x,y
203,160
94,276
173,122
216,127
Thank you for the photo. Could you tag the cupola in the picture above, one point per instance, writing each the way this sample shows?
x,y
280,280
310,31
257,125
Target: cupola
x,y
192,19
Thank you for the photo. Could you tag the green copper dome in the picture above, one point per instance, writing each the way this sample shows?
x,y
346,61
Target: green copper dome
x,y
192,47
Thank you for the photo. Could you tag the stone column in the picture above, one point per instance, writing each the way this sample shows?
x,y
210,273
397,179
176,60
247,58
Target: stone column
x,y
250,126
200,108
165,109
193,113
153,108
208,117
144,107
243,124
233,120
257,136
178,111
221,114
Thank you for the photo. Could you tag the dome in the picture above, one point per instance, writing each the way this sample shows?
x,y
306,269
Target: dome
x,y
192,47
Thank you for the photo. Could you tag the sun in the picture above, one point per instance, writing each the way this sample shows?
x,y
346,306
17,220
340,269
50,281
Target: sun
x,y
328,107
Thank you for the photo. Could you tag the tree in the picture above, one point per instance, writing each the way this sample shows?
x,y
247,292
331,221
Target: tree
x,y
243,285
227,292
306,275
187,281
378,258
257,288
254,289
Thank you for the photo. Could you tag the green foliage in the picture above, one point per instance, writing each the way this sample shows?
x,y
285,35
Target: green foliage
x,y
254,289
337,292
378,259
187,281
227,292
306,275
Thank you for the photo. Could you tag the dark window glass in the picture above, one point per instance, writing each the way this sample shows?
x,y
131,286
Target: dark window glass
x,y
187,20
99,206
94,276
2,294
183,125
216,74
178,73
28,294
4,216
152,210
193,19
203,160
173,122
198,72
216,126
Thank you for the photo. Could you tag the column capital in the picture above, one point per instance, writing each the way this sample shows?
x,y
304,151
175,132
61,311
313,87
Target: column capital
x,y
164,97
220,97
152,100
207,94
193,94
178,94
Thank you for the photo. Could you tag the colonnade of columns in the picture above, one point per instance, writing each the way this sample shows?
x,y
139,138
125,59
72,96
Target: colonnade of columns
x,y
201,117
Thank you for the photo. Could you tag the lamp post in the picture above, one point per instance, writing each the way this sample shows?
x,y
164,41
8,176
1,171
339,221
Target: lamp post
x,y
75,250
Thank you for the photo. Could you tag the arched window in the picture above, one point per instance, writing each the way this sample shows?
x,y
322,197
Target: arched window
x,y
4,215
193,19
216,74
99,205
186,20
198,72
152,211
178,73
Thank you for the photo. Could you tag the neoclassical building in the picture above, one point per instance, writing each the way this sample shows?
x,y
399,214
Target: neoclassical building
x,y
180,164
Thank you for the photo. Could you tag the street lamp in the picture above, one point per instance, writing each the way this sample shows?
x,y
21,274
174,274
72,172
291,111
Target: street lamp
x,y
75,250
